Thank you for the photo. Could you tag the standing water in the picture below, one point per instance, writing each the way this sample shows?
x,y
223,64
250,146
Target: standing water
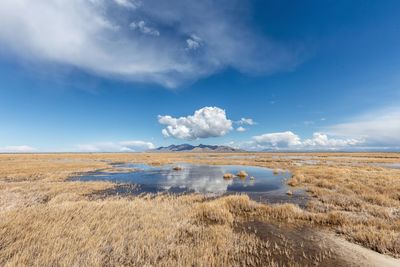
x,y
192,178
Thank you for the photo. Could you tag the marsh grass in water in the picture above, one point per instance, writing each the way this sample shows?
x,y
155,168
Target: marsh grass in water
x,y
187,178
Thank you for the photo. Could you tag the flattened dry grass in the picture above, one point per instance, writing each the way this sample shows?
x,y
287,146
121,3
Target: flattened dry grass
x,y
48,221
162,231
35,167
362,203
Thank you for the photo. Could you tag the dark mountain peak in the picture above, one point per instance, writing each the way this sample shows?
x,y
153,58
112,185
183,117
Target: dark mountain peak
x,y
207,146
182,147
199,148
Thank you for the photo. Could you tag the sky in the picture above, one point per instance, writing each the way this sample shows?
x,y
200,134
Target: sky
x,y
130,75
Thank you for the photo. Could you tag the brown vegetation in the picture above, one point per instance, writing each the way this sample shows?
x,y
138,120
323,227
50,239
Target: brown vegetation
x,y
47,220
228,176
242,174
361,203
177,168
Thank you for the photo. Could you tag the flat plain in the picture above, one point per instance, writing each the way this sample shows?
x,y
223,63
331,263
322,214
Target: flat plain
x,y
351,216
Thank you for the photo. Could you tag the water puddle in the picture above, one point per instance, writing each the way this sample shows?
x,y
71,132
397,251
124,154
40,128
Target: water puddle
x,y
241,157
261,184
307,162
293,157
389,165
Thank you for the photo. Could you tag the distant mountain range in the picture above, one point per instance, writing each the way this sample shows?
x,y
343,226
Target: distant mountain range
x,y
199,148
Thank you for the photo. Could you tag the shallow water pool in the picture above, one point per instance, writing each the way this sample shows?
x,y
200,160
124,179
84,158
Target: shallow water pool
x,y
267,186
205,179
389,165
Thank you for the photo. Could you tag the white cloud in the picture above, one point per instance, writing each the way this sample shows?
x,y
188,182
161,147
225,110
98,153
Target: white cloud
x,y
206,122
193,43
128,3
244,121
291,141
94,36
17,149
321,140
123,146
380,128
283,139
143,28
241,129
203,182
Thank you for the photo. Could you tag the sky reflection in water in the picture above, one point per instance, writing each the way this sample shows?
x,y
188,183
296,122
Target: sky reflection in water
x,y
205,179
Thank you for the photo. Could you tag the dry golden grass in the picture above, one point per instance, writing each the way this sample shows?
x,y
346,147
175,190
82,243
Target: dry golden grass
x,y
362,203
33,167
46,220
242,174
228,176
163,231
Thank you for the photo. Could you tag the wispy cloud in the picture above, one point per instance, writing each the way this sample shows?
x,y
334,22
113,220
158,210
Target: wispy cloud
x,y
123,146
379,128
374,130
143,28
194,42
128,3
242,122
246,121
114,39
241,129
204,123
17,149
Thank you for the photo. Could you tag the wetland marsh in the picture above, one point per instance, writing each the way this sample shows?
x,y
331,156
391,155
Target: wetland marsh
x,y
48,217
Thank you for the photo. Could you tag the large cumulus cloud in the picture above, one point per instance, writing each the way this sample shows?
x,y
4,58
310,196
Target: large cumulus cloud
x,y
205,122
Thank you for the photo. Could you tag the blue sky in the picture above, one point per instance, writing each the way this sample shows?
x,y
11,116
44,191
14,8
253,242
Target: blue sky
x,y
129,75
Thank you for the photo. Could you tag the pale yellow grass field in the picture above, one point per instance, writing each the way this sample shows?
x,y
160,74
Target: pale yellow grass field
x,y
46,220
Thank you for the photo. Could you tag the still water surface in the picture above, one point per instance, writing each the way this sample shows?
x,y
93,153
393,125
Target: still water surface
x,y
205,179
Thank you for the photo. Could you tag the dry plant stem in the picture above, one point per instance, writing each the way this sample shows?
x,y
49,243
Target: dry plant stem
x,y
46,220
